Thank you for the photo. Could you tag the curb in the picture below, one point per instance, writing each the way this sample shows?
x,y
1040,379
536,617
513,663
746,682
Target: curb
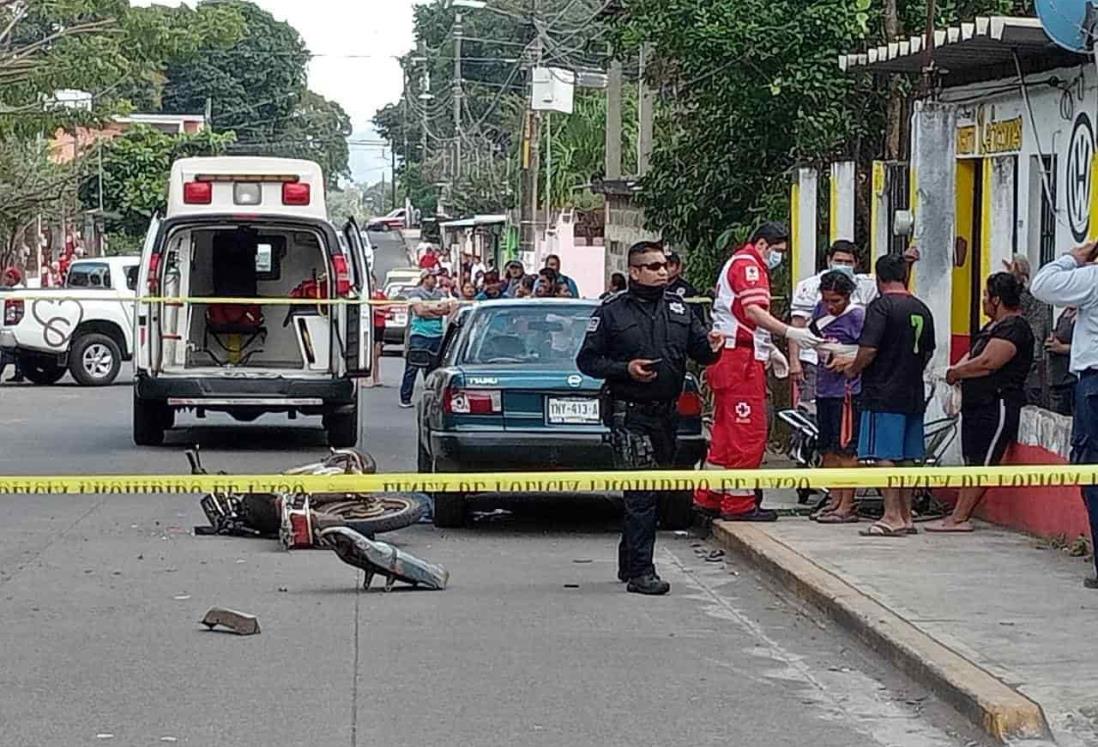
x,y
1000,710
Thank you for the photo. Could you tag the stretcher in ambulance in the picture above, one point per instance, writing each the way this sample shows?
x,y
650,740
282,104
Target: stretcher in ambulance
x,y
245,233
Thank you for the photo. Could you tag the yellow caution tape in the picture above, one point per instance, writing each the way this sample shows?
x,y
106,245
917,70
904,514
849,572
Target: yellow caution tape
x,y
563,482
260,301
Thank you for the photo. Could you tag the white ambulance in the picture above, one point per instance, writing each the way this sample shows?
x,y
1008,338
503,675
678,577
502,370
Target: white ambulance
x,y
249,228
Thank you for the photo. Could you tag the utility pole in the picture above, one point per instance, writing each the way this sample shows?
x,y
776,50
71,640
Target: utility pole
x,y
458,31
646,102
424,98
928,49
406,155
548,169
613,121
393,156
531,145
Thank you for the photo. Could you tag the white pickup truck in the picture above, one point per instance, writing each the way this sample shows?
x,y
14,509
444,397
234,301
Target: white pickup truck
x,y
85,328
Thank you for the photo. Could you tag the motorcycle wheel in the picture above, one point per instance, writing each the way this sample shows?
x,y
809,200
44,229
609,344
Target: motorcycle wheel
x,y
374,514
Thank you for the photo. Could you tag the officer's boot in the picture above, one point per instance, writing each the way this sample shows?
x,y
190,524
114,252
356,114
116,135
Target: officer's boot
x,y
650,584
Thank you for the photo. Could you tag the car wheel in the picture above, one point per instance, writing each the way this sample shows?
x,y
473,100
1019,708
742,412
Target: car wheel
x,y
41,371
676,509
95,360
342,428
148,421
449,510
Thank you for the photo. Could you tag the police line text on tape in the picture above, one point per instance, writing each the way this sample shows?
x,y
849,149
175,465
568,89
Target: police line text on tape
x,y
562,482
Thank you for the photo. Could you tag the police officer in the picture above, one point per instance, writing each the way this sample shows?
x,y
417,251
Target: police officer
x,y
682,287
638,340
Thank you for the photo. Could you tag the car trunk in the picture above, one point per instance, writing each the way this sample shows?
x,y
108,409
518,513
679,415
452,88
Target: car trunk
x,y
255,262
545,399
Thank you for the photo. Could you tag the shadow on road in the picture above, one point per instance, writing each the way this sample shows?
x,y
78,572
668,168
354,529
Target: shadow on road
x,y
491,513
251,438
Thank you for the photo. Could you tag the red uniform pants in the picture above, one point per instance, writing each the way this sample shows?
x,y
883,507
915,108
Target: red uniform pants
x,y
738,437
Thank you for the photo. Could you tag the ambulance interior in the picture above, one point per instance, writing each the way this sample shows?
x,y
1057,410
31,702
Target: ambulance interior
x,y
246,262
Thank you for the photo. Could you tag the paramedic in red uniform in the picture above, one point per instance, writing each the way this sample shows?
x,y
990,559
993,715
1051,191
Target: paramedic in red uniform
x,y
738,380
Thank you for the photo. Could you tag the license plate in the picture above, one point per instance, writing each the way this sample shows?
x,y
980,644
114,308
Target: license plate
x,y
573,411
400,319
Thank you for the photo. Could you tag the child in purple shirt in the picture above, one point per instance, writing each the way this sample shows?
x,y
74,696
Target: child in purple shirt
x,y
837,320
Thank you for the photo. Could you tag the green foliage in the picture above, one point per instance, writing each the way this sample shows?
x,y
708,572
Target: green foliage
x,y
136,166
29,183
749,90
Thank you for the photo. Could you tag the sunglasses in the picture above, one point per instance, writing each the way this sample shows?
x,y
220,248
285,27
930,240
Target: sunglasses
x,y
653,266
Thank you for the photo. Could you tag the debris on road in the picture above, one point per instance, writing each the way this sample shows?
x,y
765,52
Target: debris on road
x,y
240,623
381,559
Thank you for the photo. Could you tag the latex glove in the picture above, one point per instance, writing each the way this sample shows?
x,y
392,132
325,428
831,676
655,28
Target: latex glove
x,y
802,336
778,363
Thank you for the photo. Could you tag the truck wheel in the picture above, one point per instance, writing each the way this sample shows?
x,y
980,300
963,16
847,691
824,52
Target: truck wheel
x,y
449,510
95,360
41,371
342,428
676,509
149,419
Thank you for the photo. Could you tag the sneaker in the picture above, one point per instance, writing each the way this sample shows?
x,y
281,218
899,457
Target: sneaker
x,y
1091,582
759,514
406,405
651,585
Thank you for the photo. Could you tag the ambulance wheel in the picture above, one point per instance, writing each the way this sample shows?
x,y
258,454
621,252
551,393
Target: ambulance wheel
x,y
342,428
149,418
676,509
449,510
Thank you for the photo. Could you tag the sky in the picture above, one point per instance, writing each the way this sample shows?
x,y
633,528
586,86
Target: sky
x,y
375,32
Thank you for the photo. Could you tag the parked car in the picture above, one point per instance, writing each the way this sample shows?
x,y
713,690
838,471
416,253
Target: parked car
x,y
393,220
250,227
507,396
89,337
396,323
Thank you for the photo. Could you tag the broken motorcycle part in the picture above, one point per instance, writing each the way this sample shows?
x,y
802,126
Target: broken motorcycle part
x,y
382,559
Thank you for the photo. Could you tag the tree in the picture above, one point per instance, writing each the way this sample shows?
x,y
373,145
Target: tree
x,y
317,130
30,183
136,166
253,87
749,89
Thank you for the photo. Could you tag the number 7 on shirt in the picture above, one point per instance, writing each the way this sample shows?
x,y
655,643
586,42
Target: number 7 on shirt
x,y
917,324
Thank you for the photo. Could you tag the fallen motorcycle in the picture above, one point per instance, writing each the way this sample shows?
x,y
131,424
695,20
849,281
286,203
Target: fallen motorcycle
x,y
298,518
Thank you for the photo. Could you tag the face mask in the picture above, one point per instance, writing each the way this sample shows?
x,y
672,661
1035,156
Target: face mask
x,y
844,269
774,259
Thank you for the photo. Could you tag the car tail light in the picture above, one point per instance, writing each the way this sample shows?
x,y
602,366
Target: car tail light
x,y
13,312
472,401
342,275
197,193
690,405
154,273
296,193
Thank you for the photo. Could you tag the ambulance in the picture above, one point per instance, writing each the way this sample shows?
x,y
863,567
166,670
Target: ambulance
x,y
247,233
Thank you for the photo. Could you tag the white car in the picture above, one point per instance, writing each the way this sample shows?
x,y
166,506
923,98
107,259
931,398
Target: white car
x,y
85,328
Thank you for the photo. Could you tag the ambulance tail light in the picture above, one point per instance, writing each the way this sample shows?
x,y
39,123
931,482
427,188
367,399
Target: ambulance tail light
x,y
689,405
13,311
154,273
197,193
342,275
296,193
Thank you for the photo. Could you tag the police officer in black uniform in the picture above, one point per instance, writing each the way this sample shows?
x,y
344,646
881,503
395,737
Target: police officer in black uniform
x,y
682,287
638,341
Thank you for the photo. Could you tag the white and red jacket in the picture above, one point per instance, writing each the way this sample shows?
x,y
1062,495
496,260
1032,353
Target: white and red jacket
x,y
744,280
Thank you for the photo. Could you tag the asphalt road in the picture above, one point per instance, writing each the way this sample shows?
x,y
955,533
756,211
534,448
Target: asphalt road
x,y
533,643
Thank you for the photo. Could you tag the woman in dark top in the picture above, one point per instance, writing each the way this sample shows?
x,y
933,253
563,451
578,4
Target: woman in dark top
x,y
1061,381
992,378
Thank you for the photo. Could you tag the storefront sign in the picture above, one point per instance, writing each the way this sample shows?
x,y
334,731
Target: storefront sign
x,y
966,140
1077,177
1002,137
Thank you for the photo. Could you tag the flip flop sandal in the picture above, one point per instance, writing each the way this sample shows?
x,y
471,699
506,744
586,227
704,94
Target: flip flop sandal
x,y
837,518
817,515
941,530
878,529
715,557
911,530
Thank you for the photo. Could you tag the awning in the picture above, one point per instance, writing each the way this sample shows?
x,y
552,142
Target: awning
x,y
988,42
476,220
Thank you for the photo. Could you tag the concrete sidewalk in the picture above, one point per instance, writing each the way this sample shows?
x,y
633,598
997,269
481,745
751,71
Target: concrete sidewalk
x,y
995,622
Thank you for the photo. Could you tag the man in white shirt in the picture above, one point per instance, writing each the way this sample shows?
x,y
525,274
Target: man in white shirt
x,y
1072,280
842,257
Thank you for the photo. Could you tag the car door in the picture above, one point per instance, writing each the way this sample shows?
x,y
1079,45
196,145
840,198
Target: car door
x,y
146,316
360,328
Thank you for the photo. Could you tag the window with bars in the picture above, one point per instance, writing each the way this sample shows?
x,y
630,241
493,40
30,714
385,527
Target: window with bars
x,y
1047,236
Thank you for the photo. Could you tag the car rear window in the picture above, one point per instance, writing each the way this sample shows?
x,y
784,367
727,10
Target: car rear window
x,y
532,335
89,275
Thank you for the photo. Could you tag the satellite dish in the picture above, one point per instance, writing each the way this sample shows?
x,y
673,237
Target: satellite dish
x,y
1069,23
